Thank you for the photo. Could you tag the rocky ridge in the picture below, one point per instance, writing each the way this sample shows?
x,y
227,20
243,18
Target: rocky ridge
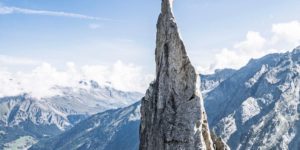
x,y
258,106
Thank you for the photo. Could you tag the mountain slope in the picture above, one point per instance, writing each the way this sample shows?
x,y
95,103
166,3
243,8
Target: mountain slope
x,y
113,129
258,106
24,116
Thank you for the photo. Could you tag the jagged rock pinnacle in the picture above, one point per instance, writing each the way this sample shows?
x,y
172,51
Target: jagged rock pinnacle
x,y
172,111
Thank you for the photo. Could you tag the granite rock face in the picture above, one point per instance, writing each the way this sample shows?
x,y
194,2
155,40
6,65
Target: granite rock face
x,y
172,112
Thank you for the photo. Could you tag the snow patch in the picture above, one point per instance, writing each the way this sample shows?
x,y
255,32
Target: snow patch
x,y
21,143
136,115
229,127
250,108
256,77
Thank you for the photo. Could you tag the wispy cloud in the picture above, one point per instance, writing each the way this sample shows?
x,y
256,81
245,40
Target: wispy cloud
x,y
5,10
39,81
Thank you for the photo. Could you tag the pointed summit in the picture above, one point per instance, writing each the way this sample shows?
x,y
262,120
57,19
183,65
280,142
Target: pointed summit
x,y
172,112
167,6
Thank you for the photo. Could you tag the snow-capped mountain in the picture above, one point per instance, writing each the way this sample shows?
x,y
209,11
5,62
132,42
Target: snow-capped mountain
x,y
111,130
90,98
26,116
258,106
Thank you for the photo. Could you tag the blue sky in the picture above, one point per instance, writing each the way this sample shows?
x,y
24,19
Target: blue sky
x,y
127,31
217,33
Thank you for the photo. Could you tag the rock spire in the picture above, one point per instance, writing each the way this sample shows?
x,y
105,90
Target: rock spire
x,y
172,112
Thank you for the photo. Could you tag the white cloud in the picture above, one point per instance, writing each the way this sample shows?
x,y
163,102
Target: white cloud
x,y
5,10
229,59
289,32
284,37
126,77
241,52
129,76
40,81
254,41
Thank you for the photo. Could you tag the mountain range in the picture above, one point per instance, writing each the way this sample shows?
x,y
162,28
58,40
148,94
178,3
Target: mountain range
x,y
255,107
31,119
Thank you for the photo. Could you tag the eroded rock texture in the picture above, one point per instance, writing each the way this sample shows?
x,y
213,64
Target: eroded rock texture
x,y
172,112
